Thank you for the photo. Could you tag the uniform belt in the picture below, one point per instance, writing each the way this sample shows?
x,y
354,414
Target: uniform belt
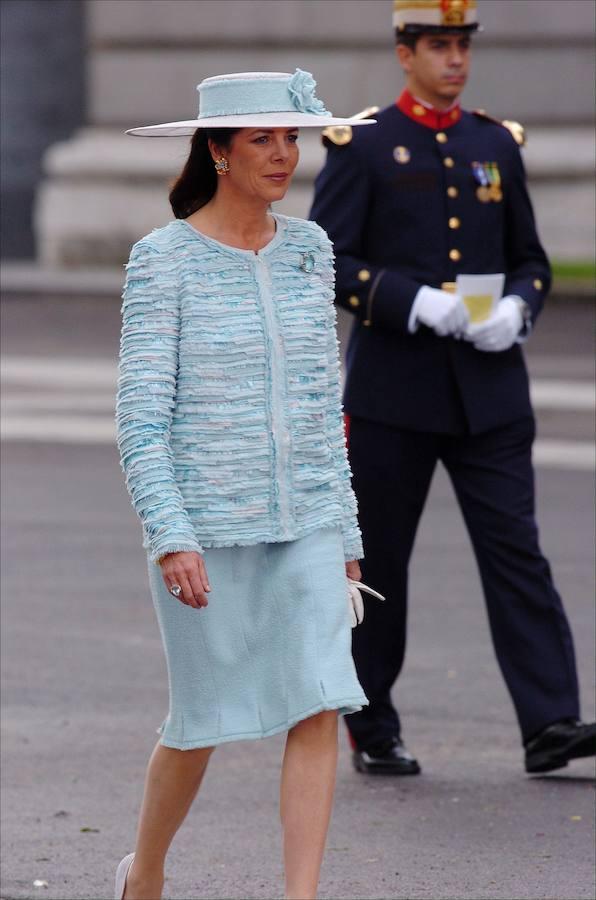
x,y
449,286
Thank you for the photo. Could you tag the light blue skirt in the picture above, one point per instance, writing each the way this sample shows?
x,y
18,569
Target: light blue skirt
x,y
273,646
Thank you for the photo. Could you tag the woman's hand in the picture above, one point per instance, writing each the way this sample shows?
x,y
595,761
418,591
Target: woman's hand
x,y
186,569
353,570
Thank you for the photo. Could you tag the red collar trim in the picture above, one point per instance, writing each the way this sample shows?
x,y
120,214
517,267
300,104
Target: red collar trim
x,y
429,116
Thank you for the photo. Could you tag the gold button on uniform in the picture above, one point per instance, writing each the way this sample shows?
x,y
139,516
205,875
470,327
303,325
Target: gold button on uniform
x,y
537,284
454,255
452,191
401,154
354,301
441,137
363,275
448,162
454,222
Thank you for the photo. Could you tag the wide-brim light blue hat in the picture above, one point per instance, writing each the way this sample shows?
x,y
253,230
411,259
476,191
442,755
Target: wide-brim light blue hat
x,y
253,100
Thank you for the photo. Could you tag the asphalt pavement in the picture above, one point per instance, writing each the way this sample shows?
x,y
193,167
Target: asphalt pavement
x,y
84,681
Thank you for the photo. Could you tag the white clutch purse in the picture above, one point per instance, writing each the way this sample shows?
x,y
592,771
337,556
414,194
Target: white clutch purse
x,y
355,601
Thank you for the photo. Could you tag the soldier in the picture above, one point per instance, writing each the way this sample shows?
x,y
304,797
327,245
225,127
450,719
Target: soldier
x,y
431,192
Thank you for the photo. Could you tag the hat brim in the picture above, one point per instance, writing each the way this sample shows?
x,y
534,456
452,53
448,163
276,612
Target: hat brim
x,y
254,120
422,28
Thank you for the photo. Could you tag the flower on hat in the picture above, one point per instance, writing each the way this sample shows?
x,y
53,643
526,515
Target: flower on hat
x,y
302,91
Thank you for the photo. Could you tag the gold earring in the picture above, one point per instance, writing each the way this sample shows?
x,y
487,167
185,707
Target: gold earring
x,y
222,166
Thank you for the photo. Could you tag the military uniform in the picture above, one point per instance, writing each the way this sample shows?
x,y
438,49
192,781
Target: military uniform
x,y
416,200
401,204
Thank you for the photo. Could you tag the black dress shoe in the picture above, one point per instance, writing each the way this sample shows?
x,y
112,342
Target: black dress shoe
x,y
391,758
554,746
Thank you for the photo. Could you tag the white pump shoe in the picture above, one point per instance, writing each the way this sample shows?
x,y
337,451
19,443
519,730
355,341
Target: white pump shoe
x,y
121,875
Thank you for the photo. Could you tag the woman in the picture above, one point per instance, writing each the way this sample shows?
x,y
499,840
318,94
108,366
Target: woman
x,y
230,435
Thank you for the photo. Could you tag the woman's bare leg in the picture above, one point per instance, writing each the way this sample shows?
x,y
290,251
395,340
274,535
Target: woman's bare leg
x,y
307,785
172,781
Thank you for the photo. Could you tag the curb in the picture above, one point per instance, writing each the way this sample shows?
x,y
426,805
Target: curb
x,y
31,278
18,278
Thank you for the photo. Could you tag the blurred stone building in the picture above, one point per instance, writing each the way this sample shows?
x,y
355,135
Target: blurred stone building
x,y
95,191
43,100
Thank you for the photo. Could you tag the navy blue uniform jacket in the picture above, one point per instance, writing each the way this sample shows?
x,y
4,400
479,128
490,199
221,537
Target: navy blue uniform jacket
x,y
392,226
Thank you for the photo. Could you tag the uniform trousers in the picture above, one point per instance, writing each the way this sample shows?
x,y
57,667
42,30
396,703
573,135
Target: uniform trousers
x,y
493,479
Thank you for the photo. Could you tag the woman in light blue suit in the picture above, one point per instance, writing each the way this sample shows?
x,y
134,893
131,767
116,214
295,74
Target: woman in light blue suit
x,y
231,439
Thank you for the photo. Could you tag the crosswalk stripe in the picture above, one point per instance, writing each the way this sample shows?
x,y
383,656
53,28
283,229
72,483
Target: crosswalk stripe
x,y
544,396
80,372
553,454
550,393
59,429
48,371
78,429
17,402
53,399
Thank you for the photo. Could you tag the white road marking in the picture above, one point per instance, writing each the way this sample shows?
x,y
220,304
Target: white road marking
x,y
55,401
43,371
552,454
79,429
49,399
550,393
77,372
59,429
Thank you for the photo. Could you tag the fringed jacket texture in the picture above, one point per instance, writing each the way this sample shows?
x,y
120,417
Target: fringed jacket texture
x,y
230,425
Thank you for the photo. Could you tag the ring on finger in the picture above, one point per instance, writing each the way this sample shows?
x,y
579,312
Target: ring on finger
x,y
175,590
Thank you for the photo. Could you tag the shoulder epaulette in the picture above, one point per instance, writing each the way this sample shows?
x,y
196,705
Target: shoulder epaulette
x,y
516,130
340,135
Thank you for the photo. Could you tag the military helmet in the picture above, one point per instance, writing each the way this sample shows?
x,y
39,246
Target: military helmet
x,y
435,16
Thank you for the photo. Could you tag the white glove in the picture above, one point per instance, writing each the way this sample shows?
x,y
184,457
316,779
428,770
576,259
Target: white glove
x,y
442,311
355,602
501,330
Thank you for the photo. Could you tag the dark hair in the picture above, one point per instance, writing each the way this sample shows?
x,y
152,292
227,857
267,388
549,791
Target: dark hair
x,y
411,38
197,183
407,38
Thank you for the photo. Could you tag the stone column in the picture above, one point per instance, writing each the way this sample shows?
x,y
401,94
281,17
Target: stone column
x,y
43,101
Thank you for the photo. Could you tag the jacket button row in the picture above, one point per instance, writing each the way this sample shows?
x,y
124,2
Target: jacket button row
x,y
453,222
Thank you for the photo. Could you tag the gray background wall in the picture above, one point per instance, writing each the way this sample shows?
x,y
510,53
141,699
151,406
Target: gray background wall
x,y
42,97
143,58
533,60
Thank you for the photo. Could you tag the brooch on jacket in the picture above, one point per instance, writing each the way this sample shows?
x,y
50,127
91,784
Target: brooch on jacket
x,y
307,262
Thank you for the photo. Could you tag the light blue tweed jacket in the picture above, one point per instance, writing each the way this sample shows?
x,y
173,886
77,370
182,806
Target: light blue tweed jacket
x,y
229,413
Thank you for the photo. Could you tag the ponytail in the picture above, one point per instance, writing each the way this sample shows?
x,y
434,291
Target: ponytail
x,y
197,183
